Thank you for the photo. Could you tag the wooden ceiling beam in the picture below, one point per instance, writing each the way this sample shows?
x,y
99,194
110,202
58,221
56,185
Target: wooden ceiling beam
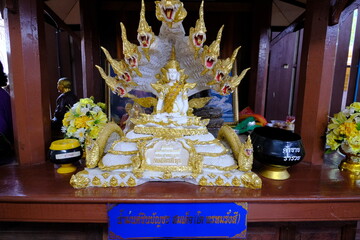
x,y
337,7
191,6
295,3
61,24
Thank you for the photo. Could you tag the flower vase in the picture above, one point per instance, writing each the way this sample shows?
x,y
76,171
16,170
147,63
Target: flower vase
x,y
351,162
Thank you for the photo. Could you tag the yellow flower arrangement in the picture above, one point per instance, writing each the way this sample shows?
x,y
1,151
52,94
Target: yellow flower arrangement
x,y
344,130
85,118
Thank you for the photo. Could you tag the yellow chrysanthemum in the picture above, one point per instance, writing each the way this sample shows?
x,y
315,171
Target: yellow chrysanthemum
x,y
354,143
86,101
80,122
348,129
332,141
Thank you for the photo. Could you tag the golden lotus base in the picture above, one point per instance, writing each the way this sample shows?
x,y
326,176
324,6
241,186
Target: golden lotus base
x,y
275,172
352,167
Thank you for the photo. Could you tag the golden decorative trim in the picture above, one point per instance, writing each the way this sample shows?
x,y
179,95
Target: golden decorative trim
x,y
219,181
203,181
95,149
245,158
96,181
163,132
123,152
131,182
111,168
138,139
197,142
236,182
113,182
79,181
212,175
251,180
229,135
221,168
167,175
123,175
225,151
194,163
83,172
105,175
228,175
149,119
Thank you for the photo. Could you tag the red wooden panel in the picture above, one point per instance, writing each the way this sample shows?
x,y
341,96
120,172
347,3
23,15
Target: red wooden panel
x,y
28,81
314,82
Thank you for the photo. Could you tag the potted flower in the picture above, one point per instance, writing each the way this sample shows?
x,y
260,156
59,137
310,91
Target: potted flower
x,y
84,119
344,134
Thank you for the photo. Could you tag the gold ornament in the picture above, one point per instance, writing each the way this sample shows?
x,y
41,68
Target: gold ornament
x,y
211,54
199,102
131,52
96,181
197,35
236,182
79,181
203,181
170,11
251,180
145,34
222,68
131,182
114,182
95,148
173,132
245,159
231,83
219,181
229,135
105,175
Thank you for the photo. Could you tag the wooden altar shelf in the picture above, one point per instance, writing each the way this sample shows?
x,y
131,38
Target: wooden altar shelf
x,y
37,193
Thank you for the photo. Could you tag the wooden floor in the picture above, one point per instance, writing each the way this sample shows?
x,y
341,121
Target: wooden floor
x,y
317,202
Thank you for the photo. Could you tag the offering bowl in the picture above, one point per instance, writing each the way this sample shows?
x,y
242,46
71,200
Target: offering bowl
x,y
277,149
65,152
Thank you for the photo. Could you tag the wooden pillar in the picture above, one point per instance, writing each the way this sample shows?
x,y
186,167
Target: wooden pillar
x,y
316,78
28,83
261,23
93,85
341,65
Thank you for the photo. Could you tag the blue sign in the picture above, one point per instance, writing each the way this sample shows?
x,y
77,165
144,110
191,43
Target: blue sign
x,y
177,220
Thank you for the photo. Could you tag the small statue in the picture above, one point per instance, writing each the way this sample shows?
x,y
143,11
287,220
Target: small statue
x,y
172,88
63,103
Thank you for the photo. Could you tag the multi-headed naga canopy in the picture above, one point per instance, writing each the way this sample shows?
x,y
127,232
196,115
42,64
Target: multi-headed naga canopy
x,y
199,62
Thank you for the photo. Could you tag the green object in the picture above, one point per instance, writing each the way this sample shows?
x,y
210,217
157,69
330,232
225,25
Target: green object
x,y
246,125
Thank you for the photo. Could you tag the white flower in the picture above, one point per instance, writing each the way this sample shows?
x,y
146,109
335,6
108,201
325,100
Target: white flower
x,y
80,134
63,129
84,110
96,109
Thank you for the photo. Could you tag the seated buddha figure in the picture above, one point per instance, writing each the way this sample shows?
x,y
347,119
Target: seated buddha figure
x,y
172,89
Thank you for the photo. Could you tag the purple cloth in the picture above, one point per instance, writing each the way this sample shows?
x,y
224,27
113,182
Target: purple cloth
x,y
6,127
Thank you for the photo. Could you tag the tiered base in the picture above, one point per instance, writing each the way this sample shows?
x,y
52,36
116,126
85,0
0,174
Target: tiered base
x,y
125,178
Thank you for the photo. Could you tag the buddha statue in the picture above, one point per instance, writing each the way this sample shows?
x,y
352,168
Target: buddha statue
x,y
170,144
